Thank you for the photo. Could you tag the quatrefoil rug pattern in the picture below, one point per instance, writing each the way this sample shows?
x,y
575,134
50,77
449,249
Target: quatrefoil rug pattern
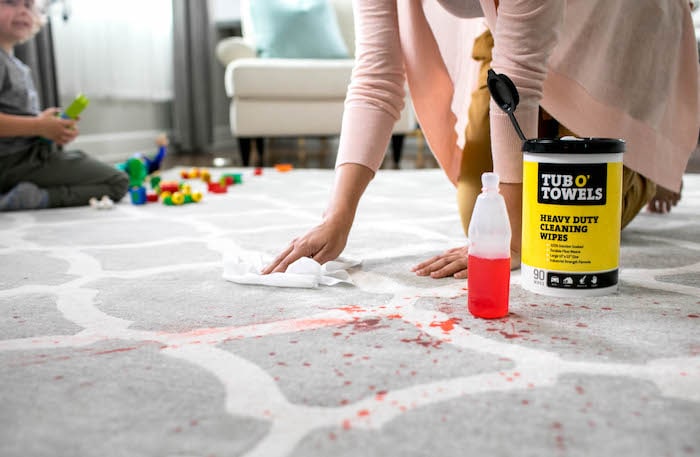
x,y
119,336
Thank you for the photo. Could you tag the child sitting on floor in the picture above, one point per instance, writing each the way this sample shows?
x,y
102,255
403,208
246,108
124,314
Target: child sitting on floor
x,y
34,172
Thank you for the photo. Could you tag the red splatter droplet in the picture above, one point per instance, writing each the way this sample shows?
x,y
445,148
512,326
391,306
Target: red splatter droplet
x,y
579,390
346,424
352,309
363,413
446,326
693,316
582,325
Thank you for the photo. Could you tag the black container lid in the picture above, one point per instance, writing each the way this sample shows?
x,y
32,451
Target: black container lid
x,y
573,145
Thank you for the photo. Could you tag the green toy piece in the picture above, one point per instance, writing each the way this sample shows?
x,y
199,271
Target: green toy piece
x,y
76,107
137,172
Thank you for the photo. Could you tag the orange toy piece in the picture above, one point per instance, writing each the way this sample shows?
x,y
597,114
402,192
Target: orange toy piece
x,y
191,174
284,167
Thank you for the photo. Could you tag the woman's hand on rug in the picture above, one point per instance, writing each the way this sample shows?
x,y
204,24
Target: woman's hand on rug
x,y
452,262
323,243
663,200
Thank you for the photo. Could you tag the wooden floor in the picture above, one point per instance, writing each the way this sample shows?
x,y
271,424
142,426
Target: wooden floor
x,y
320,153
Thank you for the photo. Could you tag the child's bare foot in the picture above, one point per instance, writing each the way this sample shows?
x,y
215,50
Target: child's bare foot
x,y
663,200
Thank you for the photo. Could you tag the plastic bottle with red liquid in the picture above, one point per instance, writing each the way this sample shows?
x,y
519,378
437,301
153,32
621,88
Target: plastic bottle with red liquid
x,y
488,280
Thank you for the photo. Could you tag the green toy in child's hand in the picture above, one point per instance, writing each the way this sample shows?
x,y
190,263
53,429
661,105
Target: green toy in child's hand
x,y
76,107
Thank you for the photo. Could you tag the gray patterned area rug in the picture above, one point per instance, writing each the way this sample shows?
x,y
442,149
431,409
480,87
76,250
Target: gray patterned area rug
x,y
119,337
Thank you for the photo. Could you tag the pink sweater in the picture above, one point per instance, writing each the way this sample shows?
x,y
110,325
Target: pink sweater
x,y
622,69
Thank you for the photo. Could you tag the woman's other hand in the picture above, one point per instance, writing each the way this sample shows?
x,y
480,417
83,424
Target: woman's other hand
x,y
453,262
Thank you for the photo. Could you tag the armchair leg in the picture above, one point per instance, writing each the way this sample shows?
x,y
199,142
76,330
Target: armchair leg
x,y
397,148
244,145
260,147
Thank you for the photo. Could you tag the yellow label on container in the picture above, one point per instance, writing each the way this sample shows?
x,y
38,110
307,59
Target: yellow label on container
x,y
571,216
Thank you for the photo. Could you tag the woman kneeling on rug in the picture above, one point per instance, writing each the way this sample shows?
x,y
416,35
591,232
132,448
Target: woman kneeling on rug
x,y
581,61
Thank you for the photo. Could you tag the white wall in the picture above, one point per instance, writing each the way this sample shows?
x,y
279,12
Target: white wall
x,y
113,130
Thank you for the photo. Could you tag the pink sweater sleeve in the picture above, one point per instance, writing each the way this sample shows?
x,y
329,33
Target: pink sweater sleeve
x,y
525,33
376,93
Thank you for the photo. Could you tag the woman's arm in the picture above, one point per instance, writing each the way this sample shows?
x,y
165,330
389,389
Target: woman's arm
x,y
525,34
326,241
373,105
376,93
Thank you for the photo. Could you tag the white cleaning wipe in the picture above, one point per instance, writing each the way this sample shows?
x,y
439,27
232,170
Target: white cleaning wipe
x,y
305,272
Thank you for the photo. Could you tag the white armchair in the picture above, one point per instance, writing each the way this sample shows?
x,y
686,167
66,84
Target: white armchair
x,y
275,97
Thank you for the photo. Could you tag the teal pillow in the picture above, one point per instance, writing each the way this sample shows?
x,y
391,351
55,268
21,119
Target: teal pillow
x,y
297,29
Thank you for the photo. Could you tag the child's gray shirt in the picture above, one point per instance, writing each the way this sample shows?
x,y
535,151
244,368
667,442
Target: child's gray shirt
x,y
18,96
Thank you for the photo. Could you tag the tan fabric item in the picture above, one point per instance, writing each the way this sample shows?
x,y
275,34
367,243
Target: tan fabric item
x,y
636,189
476,155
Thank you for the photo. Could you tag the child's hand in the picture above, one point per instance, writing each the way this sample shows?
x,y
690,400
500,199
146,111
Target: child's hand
x,y
60,131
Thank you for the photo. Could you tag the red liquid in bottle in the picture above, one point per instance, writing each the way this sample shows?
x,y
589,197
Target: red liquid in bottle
x,y
488,284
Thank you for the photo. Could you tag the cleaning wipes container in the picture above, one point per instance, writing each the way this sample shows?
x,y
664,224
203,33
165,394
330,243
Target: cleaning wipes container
x,y
571,215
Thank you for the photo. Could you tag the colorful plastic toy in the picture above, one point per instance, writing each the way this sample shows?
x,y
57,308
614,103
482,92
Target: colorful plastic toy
x,y
217,188
104,203
284,167
140,169
138,195
76,107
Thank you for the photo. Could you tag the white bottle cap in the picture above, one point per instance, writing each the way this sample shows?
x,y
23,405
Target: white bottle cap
x,y
489,181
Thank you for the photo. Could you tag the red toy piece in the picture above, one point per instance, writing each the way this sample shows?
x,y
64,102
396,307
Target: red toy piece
x,y
217,188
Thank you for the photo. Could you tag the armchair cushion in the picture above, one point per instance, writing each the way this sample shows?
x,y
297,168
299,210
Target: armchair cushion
x,y
297,29
288,79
